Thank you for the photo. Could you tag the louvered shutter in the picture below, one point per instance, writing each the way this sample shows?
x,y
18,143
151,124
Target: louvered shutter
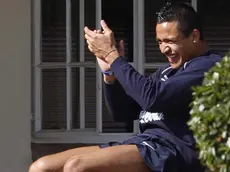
x,y
215,17
53,50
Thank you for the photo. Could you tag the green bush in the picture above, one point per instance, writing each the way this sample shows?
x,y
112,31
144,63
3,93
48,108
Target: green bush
x,y
210,117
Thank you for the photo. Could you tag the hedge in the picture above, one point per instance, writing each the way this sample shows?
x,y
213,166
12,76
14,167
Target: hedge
x,y
210,117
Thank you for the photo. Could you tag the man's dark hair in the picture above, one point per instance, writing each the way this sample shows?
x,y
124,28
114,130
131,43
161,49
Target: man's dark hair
x,y
182,13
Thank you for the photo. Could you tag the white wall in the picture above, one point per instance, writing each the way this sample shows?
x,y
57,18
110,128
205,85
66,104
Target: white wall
x,y
15,59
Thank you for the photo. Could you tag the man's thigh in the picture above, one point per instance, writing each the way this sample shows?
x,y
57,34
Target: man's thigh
x,y
122,158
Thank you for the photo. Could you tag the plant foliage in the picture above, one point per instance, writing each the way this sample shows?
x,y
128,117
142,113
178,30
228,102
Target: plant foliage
x,y
210,117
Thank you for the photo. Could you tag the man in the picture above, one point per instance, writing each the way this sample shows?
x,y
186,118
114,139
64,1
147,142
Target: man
x,y
160,101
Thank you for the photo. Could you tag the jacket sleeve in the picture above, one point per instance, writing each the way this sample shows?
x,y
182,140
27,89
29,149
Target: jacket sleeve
x,y
155,95
121,106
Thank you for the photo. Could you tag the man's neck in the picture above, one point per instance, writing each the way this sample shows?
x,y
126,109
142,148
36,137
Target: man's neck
x,y
202,47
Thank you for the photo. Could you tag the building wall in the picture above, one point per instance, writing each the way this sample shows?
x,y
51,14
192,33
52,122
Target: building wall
x,y
15,80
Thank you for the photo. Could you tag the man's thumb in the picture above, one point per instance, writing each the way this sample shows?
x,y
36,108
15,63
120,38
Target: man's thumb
x,y
105,26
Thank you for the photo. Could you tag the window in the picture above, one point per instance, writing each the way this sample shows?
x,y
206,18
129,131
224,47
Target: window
x,y
68,101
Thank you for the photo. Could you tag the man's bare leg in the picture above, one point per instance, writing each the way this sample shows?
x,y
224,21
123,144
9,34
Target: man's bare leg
x,y
122,158
55,162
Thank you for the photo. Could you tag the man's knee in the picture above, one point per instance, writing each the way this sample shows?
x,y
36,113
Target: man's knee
x,y
39,166
76,163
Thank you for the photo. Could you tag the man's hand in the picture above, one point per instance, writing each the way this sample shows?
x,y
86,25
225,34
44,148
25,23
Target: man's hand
x,y
104,65
103,45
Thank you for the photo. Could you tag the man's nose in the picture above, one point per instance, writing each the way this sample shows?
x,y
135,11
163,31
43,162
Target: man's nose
x,y
164,48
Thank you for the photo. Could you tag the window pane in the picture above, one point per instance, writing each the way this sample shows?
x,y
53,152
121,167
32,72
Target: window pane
x,y
152,52
90,21
75,29
54,98
76,97
119,16
90,98
53,30
215,17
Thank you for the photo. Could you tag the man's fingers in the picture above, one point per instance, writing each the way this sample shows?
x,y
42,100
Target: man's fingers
x,y
89,32
121,48
88,38
88,42
99,31
90,48
122,45
105,26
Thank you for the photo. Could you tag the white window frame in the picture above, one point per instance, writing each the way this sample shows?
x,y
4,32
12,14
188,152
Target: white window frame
x,y
82,135
70,135
194,4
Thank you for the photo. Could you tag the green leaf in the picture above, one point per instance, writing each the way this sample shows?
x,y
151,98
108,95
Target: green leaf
x,y
210,117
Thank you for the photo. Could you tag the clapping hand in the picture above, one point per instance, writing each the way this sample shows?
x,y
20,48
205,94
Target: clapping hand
x,y
102,44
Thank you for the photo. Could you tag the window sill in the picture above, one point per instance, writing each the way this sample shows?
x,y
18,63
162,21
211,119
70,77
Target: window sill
x,y
85,136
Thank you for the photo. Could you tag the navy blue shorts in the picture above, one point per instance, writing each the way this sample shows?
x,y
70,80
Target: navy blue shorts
x,y
159,154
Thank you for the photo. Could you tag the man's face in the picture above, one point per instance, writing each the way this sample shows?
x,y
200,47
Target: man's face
x,y
173,44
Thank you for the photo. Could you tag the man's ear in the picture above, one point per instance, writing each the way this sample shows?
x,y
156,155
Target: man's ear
x,y
195,35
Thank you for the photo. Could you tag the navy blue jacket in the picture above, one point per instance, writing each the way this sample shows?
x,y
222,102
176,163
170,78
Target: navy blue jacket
x,y
160,101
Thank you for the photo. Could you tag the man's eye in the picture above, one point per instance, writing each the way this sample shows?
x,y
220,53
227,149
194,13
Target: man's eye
x,y
170,41
159,42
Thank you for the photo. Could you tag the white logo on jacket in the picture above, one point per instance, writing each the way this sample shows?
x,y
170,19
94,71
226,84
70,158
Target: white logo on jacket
x,y
146,117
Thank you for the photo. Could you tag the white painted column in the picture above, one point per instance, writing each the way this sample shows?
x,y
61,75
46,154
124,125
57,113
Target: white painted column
x,y
37,60
15,87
